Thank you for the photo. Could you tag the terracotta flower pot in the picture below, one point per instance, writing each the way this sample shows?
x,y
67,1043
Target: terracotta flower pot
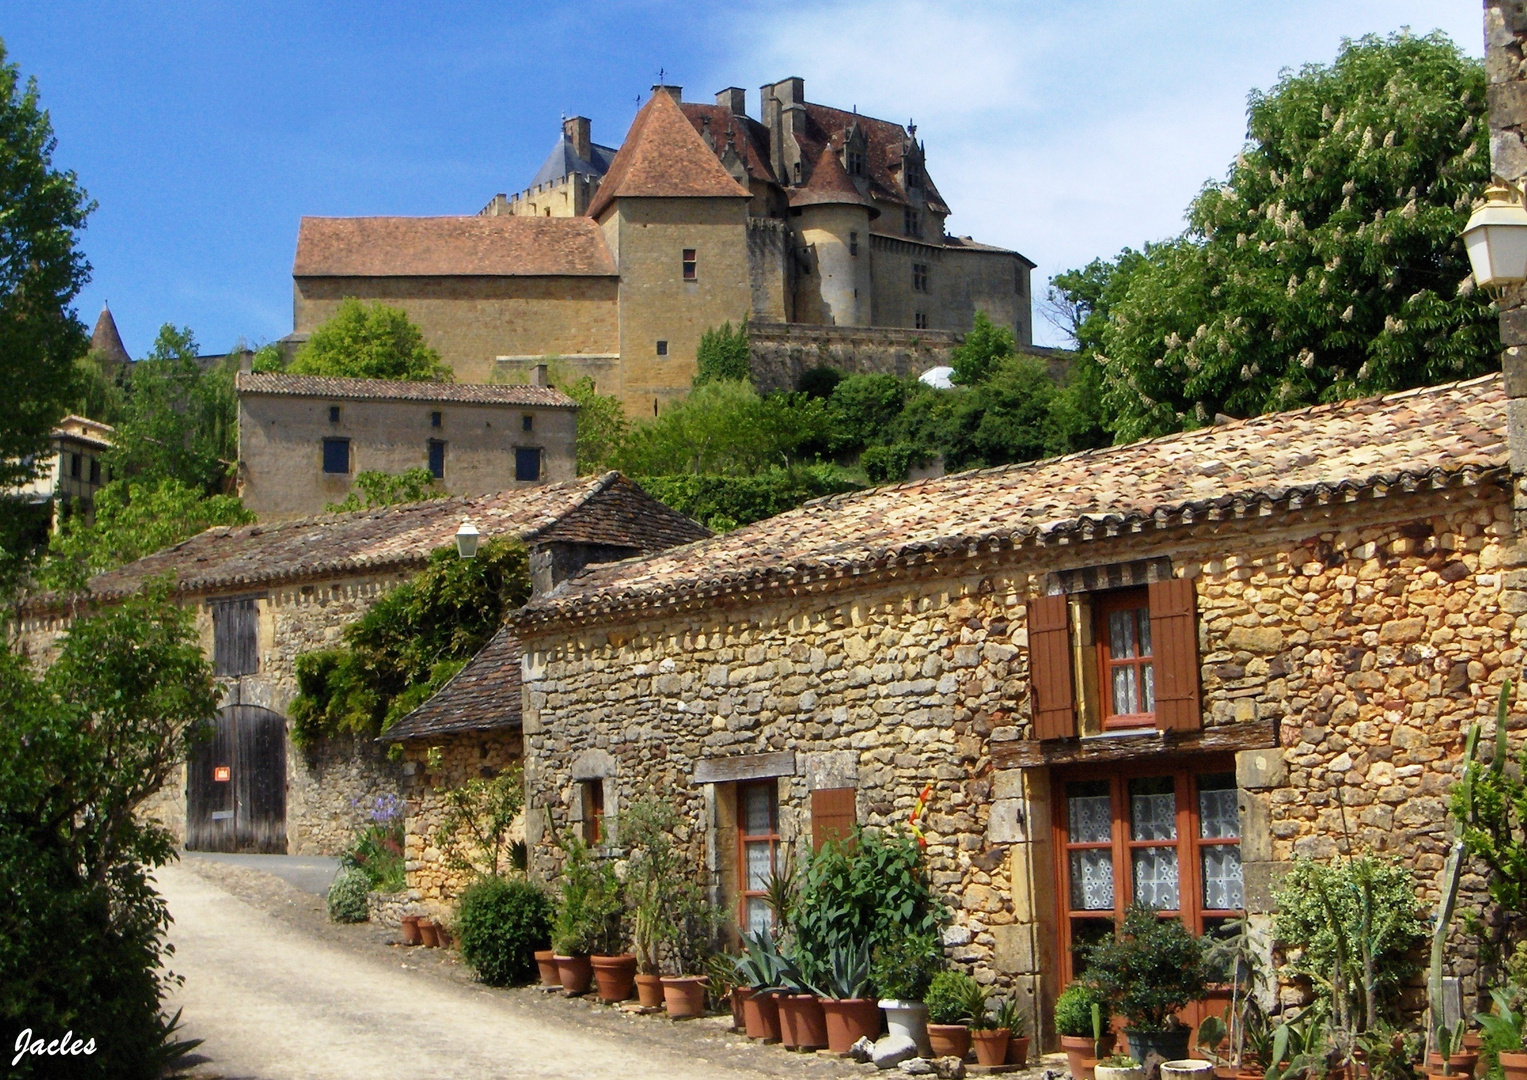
x,y
949,1040
1018,1050
427,935
760,1014
546,963
410,929
738,998
649,991
810,1021
1461,1064
614,976
1079,1054
991,1045
848,1020
575,974
443,935
1473,1040
684,995
1513,1065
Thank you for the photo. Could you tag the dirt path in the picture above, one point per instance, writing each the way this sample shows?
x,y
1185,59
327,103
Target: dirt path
x,y
277,992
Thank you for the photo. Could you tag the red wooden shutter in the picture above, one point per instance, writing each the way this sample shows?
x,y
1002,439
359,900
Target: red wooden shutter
x,y
1050,668
834,814
1174,646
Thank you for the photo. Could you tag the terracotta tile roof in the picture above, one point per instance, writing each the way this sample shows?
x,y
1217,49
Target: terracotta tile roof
x,y
483,696
884,141
1435,436
451,247
329,546
663,156
830,184
281,384
746,136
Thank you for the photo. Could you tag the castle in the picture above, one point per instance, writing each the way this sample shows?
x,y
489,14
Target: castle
x,y
614,262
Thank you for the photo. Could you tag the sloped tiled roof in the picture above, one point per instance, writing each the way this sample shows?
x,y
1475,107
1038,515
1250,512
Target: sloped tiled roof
x,y
1431,437
282,384
468,246
830,184
483,696
884,139
398,537
663,157
746,136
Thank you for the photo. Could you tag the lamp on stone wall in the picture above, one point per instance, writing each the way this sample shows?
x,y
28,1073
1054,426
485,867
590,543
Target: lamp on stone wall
x,y
466,539
1496,237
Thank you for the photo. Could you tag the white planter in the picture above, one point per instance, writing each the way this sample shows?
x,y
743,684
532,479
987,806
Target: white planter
x,y
1108,1072
909,1018
1187,1069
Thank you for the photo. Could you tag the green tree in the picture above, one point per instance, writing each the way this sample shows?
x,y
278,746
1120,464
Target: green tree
x,y
132,519
369,341
723,354
726,427
180,421
726,502
82,750
983,349
1010,415
374,489
602,425
99,393
268,359
1327,265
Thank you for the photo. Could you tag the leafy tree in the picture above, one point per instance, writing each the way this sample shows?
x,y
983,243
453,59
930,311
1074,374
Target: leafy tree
x,y
983,348
727,428
369,341
132,520
82,750
473,835
42,211
99,392
1327,265
267,359
180,422
726,502
1012,414
602,425
723,354
405,646
385,489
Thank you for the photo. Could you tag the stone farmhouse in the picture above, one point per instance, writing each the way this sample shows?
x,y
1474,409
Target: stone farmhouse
x,y
614,262
265,593
302,439
73,471
1155,671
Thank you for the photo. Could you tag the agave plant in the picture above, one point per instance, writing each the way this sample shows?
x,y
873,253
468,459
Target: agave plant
x,y
761,966
847,972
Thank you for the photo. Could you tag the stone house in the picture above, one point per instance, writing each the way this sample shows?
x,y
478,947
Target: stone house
x,y
74,470
1156,671
303,438
265,593
615,261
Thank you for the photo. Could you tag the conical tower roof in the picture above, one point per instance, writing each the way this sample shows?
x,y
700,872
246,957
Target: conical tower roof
x,y
664,157
830,184
106,342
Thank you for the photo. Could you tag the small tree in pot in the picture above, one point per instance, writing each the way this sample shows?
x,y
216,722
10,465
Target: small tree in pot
x,y
955,1002
903,969
588,915
1153,968
1082,1016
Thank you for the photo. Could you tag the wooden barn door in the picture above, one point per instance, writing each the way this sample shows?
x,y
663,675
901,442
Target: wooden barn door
x,y
236,784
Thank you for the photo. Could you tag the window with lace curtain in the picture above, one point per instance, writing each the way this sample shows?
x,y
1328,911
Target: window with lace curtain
x,y
758,843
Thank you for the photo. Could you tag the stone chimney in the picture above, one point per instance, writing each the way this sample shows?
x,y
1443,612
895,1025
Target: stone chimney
x,y
539,376
1506,72
576,130
784,108
734,100
675,92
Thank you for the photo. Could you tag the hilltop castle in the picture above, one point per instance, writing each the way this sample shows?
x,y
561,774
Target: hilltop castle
x,y
614,261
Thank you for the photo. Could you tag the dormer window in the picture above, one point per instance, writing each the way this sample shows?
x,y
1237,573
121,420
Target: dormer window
x,y
911,222
855,162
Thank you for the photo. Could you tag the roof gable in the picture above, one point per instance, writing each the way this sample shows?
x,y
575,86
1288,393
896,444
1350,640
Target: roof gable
x,y
829,184
483,696
496,246
663,156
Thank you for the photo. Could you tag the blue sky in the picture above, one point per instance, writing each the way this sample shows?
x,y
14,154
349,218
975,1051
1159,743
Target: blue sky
x,y
1066,130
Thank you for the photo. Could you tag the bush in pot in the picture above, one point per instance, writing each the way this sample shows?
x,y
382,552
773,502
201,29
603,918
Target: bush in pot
x,y
502,922
1082,1017
688,940
992,1031
902,970
1504,1037
1119,1067
955,1001
1153,968
587,910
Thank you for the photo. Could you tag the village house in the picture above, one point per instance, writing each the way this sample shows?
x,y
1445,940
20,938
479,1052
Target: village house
x,y
74,470
613,263
303,438
266,593
1149,672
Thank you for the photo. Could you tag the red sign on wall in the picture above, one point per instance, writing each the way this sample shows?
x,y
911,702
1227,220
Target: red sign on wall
x,y
221,773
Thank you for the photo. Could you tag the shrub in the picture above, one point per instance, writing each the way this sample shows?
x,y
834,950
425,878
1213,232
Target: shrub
x,y
955,998
723,354
1073,1010
377,850
369,341
1152,969
905,965
501,923
347,897
742,500
588,911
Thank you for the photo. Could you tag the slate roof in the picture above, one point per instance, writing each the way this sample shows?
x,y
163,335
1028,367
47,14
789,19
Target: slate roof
x,y
1438,436
468,246
280,384
106,341
607,509
564,160
663,156
483,696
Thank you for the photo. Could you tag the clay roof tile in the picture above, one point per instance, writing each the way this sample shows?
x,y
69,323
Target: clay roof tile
x,y
663,156
475,246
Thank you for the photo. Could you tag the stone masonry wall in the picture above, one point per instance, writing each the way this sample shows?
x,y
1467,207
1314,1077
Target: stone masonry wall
x,y
779,353
1371,632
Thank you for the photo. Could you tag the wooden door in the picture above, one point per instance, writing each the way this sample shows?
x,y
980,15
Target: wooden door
x,y
236,783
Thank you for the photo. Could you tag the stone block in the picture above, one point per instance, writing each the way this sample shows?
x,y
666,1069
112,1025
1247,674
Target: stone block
x,y
1256,827
1256,639
1401,631
1007,784
1259,770
829,769
1258,880
1007,823
1013,949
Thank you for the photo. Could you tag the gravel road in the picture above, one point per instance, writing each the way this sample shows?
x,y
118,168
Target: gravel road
x,y
278,992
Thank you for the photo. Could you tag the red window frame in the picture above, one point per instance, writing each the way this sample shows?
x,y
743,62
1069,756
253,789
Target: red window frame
x,y
744,838
1104,605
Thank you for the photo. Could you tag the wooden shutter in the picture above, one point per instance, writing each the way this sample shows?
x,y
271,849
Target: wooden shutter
x,y
1050,668
235,648
1174,647
834,814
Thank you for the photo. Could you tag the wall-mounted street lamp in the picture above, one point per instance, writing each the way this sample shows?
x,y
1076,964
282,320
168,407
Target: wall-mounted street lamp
x,y
1496,238
466,539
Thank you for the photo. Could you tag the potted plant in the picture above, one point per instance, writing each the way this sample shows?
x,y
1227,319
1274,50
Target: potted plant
x,y
955,1000
990,1035
1449,1058
1153,968
1502,1036
849,1009
1081,1019
427,933
546,964
1014,1018
903,969
1239,1041
690,938
802,1022
409,926
763,969
590,901
1119,1067
646,826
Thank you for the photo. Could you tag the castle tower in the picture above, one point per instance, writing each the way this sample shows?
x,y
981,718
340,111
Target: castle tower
x,y
106,343
833,285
